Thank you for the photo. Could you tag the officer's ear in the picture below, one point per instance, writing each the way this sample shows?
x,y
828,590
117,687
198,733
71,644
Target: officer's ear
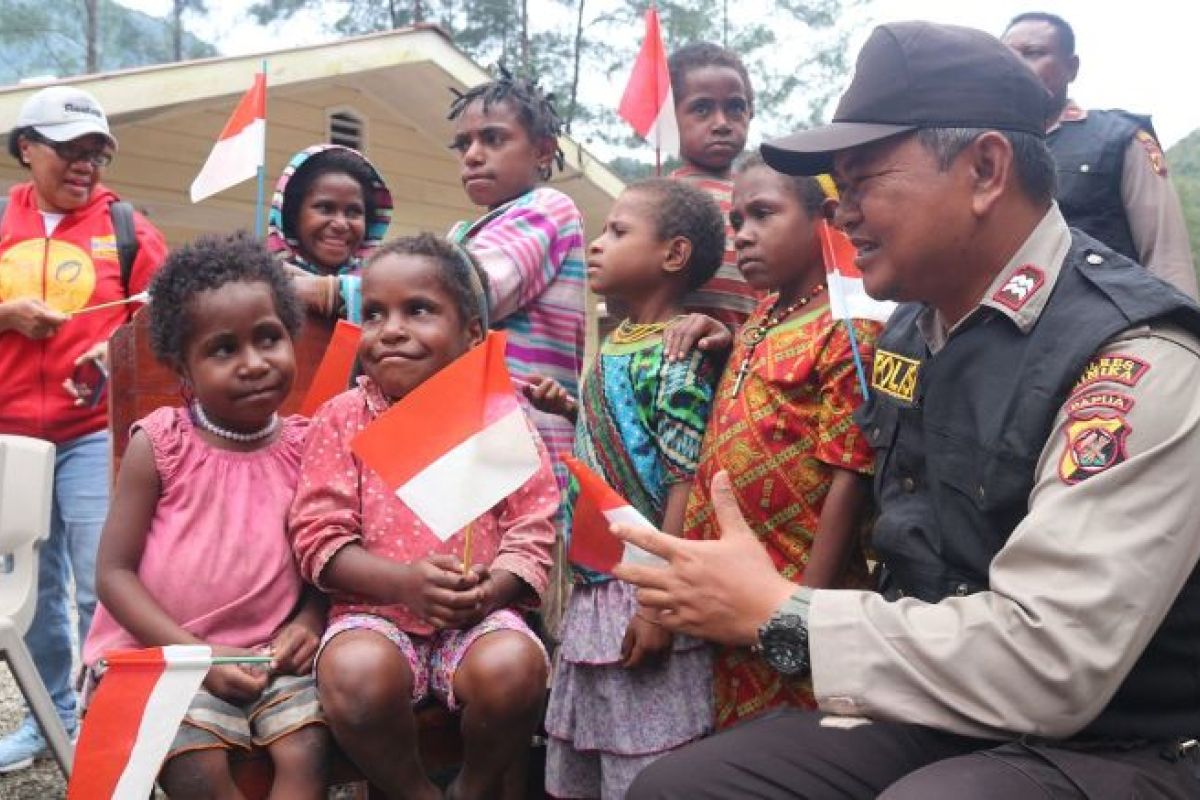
x,y
990,161
1072,68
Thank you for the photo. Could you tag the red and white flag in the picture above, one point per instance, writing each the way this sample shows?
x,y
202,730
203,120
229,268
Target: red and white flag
x,y
457,444
597,508
239,150
648,103
333,373
847,297
132,720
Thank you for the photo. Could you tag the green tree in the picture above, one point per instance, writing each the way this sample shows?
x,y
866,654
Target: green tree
x,y
1184,161
178,9
51,39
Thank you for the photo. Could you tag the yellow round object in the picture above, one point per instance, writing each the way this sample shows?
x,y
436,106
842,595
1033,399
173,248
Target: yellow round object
x,y
69,277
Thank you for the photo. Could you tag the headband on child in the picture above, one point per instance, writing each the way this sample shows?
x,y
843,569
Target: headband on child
x,y
481,300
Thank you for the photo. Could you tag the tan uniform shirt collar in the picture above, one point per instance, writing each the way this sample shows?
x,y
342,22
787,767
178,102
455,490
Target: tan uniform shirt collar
x,y
1020,290
1072,112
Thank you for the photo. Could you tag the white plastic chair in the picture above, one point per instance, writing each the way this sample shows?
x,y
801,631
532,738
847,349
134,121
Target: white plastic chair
x,y
26,493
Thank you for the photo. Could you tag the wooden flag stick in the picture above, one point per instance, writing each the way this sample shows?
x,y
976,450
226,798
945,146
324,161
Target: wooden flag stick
x,y
140,297
467,547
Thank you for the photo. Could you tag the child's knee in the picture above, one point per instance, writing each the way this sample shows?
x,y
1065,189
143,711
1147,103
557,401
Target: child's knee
x,y
198,774
360,681
503,671
304,752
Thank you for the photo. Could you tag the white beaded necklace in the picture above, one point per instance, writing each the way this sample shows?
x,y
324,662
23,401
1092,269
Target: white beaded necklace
x,y
204,422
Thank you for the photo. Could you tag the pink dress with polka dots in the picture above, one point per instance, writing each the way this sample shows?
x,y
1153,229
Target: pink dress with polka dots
x,y
341,501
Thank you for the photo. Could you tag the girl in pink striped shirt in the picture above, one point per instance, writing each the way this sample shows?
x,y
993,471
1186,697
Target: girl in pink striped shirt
x,y
530,242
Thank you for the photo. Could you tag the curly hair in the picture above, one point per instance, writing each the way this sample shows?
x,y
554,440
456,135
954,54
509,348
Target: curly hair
x,y
534,108
205,264
327,162
460,273
705,54
680,209
806,187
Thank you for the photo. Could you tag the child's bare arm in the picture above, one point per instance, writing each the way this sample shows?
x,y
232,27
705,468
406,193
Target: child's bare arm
x,y
122,591
696,330
548,396
837,531
122,544
646,641
295,643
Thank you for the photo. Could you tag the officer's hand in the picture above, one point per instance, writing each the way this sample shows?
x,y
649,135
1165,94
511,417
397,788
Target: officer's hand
x,y
722,590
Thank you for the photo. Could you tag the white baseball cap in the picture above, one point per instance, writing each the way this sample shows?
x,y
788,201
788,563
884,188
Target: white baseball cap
x,y
63,113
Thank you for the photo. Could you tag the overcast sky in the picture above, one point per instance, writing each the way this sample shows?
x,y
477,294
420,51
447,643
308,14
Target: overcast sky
x,y
1143,56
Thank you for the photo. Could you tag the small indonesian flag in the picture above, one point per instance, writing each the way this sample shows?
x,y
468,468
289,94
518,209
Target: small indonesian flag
x,y
847,297
333,374
457,444
239,150
598,508
132,720
648,103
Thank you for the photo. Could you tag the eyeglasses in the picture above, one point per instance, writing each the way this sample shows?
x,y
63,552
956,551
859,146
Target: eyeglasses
x,y
74,151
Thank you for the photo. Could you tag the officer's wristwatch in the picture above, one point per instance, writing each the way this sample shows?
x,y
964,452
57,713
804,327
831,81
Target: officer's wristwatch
x,y
783,639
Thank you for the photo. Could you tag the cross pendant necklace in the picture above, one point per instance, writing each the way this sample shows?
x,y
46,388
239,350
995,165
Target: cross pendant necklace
x,y
754,334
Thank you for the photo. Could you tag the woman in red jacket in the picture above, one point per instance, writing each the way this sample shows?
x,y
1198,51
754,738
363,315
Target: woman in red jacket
x,y
58,257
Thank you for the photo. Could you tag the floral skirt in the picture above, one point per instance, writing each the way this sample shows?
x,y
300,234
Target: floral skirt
x,y
601,713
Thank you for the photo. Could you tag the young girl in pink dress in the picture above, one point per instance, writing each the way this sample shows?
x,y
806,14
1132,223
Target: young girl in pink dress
x,y
195,549
407,620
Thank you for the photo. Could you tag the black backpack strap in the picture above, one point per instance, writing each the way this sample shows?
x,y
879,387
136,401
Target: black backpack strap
x,y
127,243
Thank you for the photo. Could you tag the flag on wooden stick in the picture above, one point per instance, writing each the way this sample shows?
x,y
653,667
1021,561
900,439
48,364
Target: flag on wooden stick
x,y
239,151
457,444
597,508
848,299
648,103
132,720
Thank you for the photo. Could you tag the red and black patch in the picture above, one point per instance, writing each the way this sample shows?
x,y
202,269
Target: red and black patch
x,y
1158,161
1095,442
1020,287
1114,368
1112,402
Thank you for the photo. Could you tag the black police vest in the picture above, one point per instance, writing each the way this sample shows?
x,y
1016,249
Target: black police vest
x,y
956,464
1090,155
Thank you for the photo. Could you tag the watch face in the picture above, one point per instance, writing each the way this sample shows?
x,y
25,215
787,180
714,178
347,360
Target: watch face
x,y
785,644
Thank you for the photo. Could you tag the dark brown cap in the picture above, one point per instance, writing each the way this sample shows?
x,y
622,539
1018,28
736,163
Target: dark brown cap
x,y
914,75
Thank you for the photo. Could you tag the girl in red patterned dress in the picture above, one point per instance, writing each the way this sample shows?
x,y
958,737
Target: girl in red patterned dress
x,y
781,424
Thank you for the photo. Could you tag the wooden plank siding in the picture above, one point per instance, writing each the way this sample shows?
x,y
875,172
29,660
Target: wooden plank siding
x,y
167,119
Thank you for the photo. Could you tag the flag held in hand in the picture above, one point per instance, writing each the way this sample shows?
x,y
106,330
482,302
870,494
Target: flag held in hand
x,y
132,720
597,508
239,150
648,103
457,444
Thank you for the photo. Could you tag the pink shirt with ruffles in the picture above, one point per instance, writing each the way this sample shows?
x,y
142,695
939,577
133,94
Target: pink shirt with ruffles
x,y
340,501
217,558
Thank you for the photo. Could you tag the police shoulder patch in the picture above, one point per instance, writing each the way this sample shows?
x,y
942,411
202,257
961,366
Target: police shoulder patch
x,y
1096,432
1113,368
895,375
1022,285
1158,162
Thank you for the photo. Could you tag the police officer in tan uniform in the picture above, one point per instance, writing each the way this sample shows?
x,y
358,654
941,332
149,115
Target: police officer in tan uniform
x,y
1036,423
1112,179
